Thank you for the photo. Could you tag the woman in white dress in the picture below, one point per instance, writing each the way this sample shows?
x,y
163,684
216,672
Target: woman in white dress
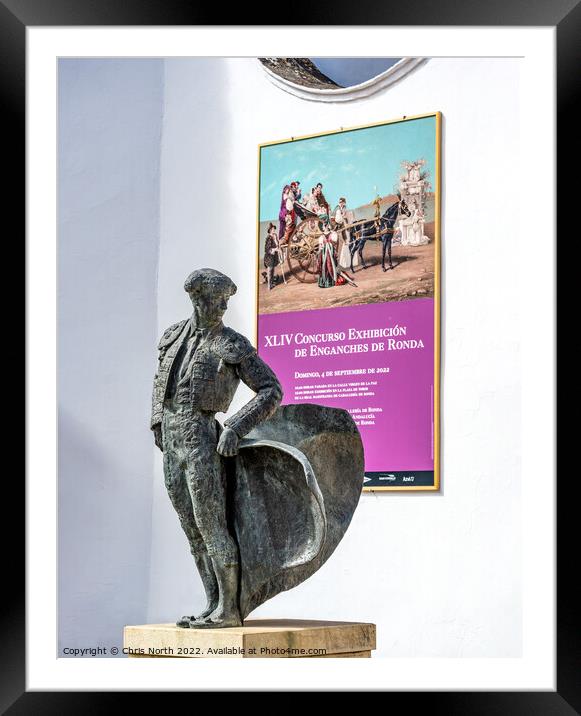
x,y
417,229
344,216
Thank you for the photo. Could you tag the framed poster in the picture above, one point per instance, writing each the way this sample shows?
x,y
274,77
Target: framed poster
x,y
348,297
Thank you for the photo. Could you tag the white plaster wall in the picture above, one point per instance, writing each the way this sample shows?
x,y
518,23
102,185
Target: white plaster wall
x,y
438,573
109,144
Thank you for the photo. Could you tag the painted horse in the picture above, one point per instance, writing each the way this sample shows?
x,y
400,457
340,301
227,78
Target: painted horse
x,y
384,226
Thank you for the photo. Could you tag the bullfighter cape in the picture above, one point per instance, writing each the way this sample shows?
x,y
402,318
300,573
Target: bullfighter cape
x,y
292,490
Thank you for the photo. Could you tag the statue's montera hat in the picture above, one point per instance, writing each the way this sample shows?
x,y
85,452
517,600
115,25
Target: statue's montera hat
x,y
206,279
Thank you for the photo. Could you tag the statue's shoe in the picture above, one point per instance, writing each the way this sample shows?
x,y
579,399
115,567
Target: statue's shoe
x,y
230,621
185,622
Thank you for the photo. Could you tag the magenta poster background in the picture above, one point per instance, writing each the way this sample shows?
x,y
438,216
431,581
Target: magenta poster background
x,y
381,371
364,336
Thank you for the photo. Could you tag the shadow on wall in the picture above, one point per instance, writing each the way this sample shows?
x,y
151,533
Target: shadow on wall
x,y
99,548
198,214
108,238
198,207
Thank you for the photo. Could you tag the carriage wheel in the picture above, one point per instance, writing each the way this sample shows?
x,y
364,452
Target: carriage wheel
x,y
302,258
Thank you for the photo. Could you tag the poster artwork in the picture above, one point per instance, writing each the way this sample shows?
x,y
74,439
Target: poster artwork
x,y
348,285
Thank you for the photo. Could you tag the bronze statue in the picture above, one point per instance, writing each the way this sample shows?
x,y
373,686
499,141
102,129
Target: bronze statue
x,y
261,513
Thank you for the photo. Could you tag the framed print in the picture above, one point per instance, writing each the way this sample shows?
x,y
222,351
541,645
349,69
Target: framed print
x,y
418,531
348,285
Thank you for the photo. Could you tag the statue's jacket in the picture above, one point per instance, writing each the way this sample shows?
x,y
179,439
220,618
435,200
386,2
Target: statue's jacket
x,y
297,477
221,360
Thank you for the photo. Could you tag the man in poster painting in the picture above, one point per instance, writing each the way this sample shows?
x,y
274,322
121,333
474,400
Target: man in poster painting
x,y
323,203
271,254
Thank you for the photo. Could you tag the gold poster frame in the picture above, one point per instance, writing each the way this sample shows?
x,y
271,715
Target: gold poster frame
x,y
437,275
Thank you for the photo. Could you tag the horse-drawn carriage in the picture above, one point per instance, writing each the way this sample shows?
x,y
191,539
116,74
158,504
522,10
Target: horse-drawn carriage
x,y
301,248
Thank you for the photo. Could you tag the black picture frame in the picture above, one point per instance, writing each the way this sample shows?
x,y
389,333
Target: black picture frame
x,y
564,15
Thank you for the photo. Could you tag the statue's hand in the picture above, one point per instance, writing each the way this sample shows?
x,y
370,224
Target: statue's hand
x,y
228,443
157,436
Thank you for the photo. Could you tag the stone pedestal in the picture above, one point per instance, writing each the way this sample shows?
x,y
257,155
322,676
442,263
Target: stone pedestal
x,y
258,638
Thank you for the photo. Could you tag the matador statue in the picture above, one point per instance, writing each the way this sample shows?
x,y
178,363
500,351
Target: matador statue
x,y
264,499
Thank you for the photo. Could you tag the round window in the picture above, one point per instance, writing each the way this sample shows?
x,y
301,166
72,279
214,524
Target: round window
x,y
336,79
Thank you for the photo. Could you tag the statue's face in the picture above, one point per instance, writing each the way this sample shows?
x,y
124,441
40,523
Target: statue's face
x,y
210,307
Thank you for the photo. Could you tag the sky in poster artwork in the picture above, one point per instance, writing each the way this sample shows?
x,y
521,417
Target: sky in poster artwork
x,y
356,164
